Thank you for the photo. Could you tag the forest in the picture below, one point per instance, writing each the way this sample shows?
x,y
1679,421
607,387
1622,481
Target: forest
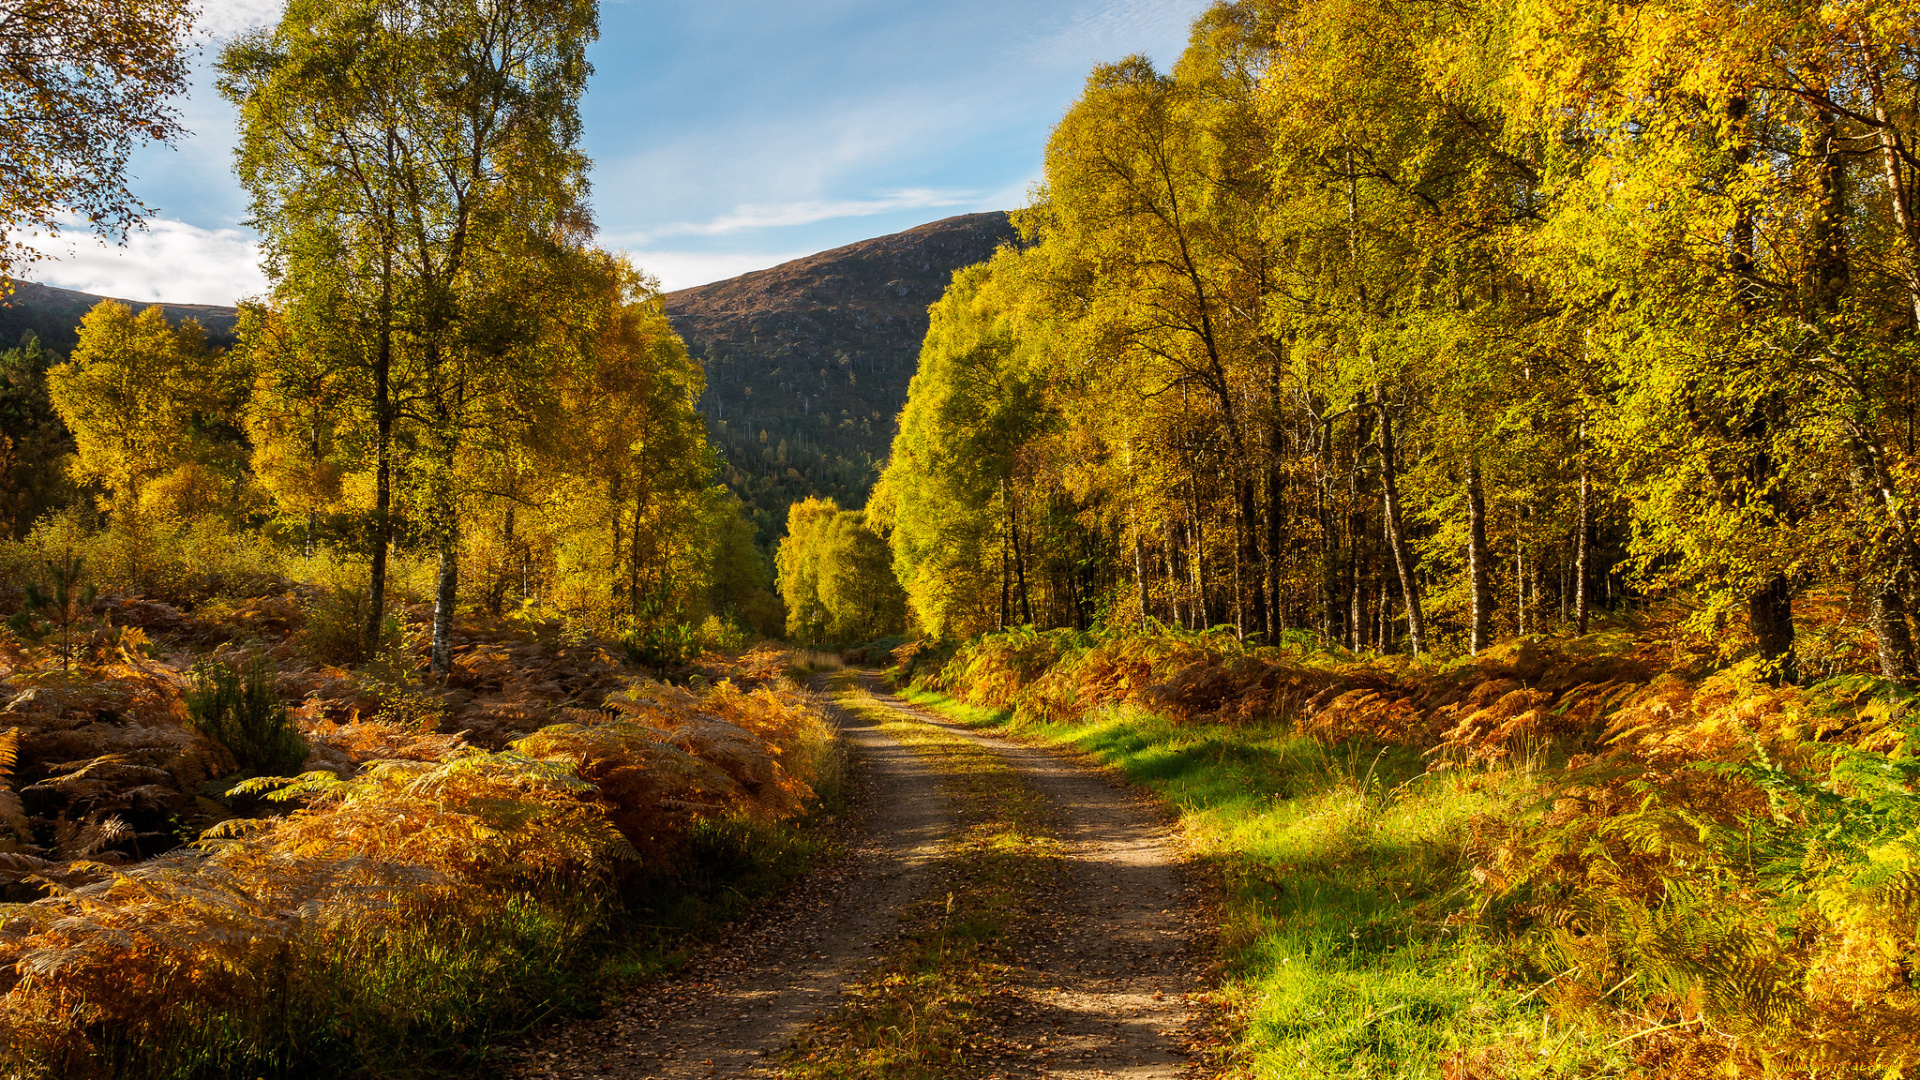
x,y
1526,390
1456,460
1415,328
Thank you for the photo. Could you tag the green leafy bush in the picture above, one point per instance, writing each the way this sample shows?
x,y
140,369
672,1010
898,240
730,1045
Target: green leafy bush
x,y
724,635
240,712
663,645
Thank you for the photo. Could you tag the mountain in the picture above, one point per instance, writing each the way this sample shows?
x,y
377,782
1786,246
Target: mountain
x,y
808,362
53,315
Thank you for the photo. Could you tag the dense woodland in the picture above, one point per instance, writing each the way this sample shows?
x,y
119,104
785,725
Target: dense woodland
x,y
1528,388
1415,327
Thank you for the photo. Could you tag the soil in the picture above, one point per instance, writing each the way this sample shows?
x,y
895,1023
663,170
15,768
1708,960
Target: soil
x,y
1105,966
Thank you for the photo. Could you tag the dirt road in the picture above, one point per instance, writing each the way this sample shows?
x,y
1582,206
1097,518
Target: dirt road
x,y
1102,967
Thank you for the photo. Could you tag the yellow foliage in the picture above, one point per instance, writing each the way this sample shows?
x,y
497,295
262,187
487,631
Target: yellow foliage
x,y
433,838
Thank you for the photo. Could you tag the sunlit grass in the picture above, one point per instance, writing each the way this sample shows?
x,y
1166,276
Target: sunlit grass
x,y
1342,878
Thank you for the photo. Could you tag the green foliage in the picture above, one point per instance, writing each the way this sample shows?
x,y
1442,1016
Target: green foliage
x,y
662,646
836,577
240,711
34,443
62,606
742,585
443,269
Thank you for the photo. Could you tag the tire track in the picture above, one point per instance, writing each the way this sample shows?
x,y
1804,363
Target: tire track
x,y
1106,965
1103,963
731,1010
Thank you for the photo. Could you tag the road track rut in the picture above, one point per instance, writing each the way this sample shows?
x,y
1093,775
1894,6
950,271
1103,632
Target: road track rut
x,y
1103,967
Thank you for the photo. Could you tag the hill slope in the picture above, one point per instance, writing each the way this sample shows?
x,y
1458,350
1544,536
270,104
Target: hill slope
x,y
53,314
808,362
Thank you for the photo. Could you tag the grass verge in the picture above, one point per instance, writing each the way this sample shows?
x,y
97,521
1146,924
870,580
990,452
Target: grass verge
x,y
1342,873
922,1010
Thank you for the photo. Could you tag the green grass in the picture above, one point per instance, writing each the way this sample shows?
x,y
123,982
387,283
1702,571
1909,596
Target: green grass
x,y
1342,882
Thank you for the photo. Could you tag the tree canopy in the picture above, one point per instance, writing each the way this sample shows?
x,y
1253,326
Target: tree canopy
x,y
83,83
1409,326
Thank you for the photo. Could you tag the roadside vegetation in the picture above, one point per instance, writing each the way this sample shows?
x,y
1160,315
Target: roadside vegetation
x,y
227,856
1559,858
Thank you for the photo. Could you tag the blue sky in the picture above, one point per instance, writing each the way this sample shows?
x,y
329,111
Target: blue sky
x,y
727,135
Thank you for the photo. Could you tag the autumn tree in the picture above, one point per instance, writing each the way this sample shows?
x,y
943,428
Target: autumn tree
x,y
836,576
151,409
1151,237
627,426
950,496
1754,307
83,83
413,165
1278,366
294,420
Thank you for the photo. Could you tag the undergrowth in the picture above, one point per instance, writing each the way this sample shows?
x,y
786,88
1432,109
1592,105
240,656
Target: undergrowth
x,y
1563,858
408,912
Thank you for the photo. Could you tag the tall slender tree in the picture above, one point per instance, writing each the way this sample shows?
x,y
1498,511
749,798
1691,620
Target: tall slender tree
x,y
413,163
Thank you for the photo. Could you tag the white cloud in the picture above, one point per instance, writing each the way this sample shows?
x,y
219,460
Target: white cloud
x,y
171,262
225,18
831,159
748,217
685,269
176,263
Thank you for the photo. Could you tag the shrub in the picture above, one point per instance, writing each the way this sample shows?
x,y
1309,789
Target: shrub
x,y
405,910
723,635
336,627
240,712
661,646
176,561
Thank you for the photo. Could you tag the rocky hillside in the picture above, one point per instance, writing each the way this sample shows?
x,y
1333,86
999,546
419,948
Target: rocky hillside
x,y
53,314
808,362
